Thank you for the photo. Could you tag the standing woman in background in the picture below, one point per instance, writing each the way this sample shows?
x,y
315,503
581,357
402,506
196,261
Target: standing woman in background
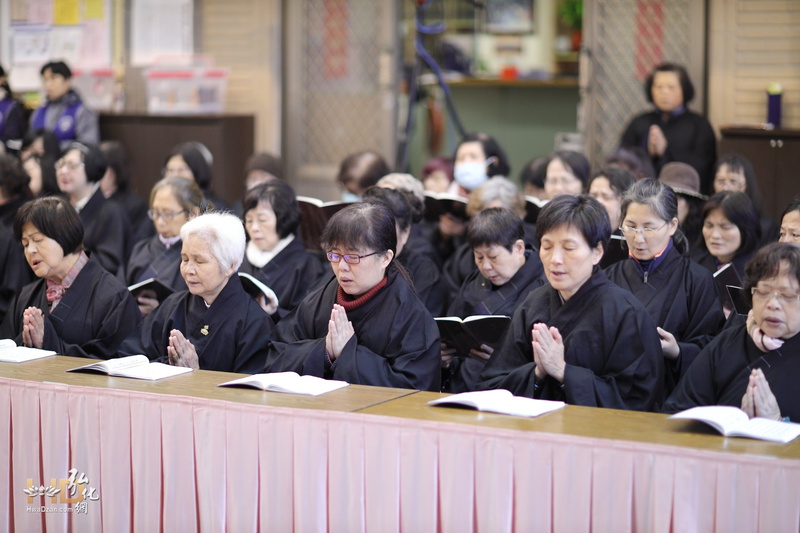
x,y
173,202
671,132
678,293
12,119
106,228
64,113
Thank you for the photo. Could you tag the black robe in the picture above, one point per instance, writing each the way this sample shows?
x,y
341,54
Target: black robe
x,y
106,233
96,313
396,341
237,330
427,280
136,208
16,272
681,297
151,259
292,273
611,349
690,140
479,297
720,374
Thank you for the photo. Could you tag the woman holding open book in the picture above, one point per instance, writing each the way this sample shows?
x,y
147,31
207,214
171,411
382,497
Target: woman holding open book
x,y
507,272
215,325
755,365
581,338
76,307
365,325
678,293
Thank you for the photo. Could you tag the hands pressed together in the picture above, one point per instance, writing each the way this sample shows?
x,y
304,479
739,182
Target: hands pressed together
x,y
339,332
33,327
758,400
181,351
548,352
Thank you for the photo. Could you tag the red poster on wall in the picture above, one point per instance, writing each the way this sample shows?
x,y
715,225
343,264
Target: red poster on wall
x,y
649,50
335,47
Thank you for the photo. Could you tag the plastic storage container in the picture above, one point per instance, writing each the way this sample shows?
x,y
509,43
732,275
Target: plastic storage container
x,y
189,90
96,88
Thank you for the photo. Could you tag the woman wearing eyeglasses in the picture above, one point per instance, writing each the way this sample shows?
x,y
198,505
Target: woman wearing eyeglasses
x,y
365,325
754,366
678,293
107,230
173,201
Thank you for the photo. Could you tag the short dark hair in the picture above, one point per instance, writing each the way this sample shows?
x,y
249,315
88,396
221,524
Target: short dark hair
x,y
396,201
583,212
57,67
495,226
94,160
118,162
794,205
575,162
661,199
634,159
265,162
683,77
535,171
55,219
361,226
739,163
13,179
282,200
737,207
500,166
766,263
198,158
620,179
364,168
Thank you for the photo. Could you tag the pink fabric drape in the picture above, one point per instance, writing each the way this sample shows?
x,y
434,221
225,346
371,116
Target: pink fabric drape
x,y
172,463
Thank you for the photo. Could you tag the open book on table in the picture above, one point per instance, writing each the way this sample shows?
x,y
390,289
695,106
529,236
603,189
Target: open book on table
x,y
471,332
11,353
133,366
290,382
499,401
733,422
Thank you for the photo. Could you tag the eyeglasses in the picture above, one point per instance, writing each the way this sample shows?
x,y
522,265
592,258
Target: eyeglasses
x,y
68,165
166,215
647,232
351,259
784,297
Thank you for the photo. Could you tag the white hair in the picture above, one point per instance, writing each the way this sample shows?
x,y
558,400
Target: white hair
x,y
406,182
224,234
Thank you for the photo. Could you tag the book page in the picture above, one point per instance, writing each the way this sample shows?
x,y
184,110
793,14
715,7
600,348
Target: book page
x,y
115,364
771,430
21,354
500,401
724,418
151,371
290,382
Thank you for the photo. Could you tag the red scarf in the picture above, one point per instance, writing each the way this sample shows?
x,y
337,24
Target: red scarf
x,y
347,301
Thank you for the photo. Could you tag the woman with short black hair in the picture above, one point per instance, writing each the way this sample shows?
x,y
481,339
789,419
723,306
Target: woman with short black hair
x,y
76,307
581,338
365,325
790,222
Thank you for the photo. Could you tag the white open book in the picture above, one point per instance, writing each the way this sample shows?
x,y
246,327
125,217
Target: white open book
x,y
11,353
499,401
133,366
290,382
733,422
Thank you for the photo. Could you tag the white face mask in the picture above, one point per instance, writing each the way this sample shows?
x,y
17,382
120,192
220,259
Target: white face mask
x,y
470,174
348,196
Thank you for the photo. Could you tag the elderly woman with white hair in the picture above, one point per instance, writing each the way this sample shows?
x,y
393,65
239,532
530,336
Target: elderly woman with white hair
x,y
215,325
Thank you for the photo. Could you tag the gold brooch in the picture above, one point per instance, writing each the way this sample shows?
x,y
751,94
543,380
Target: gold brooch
x,y
204,330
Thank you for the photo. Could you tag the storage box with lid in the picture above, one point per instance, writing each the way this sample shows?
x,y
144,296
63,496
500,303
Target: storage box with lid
x,y
186,90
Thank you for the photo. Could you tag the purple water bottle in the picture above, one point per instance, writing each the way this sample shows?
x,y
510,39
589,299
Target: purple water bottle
x,y
774,94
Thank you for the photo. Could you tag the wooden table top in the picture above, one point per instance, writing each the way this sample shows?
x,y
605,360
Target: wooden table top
x,y
198,384
633,426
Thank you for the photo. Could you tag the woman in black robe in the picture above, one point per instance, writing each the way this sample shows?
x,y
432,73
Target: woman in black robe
x,y
790,222
215,325
678,293
77,308
754,366
426,278
173,201
106,227
581,338
115,185
507,272
274,254
365,325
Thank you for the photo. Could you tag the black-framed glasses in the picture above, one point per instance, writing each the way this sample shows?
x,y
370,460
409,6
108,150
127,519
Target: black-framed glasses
x,y
351,259
784,297
166,215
